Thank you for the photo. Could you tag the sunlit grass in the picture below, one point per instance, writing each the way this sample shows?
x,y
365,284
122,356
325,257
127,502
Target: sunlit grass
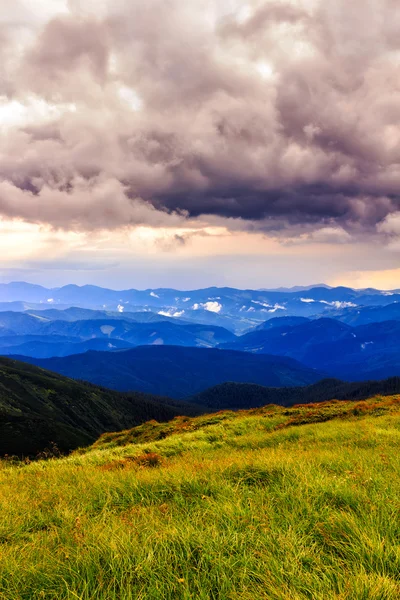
x,y
234,506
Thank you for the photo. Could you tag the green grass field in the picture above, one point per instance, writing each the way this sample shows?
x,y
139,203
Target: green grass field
x,y
274,503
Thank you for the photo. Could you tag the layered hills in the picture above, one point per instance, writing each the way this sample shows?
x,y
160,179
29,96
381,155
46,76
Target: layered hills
x,y
333,347
337,332
39,408
61,333
178,372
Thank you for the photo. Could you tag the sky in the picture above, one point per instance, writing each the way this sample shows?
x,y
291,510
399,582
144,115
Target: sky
x,y
206,142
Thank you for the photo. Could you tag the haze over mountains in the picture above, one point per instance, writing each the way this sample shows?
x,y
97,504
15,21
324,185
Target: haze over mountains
x,y
134,340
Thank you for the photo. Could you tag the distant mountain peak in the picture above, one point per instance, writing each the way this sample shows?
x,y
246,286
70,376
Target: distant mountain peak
x,y
297,288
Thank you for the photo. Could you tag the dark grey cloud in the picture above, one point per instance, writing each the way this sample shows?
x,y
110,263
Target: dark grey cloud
x,y
154,112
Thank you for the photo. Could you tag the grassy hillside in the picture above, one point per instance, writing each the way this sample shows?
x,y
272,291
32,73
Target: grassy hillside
x,y
38,407
273,503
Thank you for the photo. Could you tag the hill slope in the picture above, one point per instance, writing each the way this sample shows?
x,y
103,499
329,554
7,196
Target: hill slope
x,y
297,340
363,315
178,372
269,504
38,407
352,353
235,396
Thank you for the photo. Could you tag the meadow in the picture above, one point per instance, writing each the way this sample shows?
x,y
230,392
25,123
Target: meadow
x,y
272,503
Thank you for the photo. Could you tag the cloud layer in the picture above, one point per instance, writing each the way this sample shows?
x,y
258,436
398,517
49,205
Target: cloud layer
x,y
283,114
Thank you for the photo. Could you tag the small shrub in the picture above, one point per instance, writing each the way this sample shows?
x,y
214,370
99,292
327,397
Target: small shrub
x,y
53,451
150,459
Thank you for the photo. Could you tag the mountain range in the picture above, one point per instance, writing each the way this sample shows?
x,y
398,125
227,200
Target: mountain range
x,y
234,309
330,346
110,338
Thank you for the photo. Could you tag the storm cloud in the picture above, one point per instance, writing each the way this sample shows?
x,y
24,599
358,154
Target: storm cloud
x,y
282,114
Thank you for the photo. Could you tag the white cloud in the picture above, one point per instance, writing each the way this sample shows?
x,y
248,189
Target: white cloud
x,y
262,304
390,225
338,304
276,308
214,307
172,313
